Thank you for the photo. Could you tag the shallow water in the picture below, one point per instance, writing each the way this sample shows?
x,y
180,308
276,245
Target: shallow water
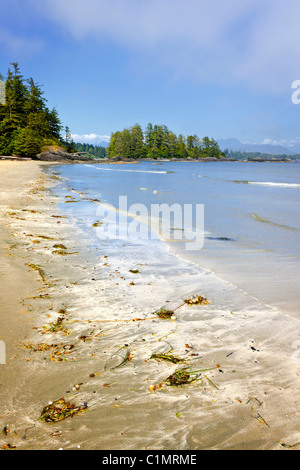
x,y
251,219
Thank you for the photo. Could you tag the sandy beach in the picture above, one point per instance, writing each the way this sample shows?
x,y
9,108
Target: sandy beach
x,y
90,340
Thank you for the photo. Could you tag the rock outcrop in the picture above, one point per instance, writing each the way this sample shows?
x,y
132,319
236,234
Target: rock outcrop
x,y
58,154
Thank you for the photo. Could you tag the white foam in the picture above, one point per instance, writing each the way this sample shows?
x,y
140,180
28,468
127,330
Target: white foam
x,y
129,171
278,185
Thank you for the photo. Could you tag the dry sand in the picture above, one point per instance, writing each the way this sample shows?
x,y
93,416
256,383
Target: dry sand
x,y
248,399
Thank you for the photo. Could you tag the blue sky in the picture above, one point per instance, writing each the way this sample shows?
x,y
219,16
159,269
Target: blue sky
x,y
223,68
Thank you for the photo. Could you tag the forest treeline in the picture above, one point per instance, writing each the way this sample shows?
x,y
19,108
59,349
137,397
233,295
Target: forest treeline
x,y
241,155
26,123
158,142
94,151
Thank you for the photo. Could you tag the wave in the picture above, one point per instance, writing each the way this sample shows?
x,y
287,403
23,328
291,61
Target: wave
x,y
131,171
258,218
279,185
269,183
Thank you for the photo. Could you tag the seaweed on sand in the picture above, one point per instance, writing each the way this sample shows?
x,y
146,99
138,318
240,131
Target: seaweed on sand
x,y
38,347
182,377
127,358
97,224
165,314
60,410
37,268
45,237
167,357
60,247
56,326
196,300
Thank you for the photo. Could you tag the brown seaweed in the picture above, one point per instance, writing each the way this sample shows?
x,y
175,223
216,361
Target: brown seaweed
x,y
164,314
60,410
196,300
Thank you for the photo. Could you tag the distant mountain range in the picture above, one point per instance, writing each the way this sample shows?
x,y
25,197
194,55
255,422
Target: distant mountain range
x,y
236,145
102,144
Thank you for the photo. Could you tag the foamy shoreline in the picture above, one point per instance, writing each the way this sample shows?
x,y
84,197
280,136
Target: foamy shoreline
x,y
247,400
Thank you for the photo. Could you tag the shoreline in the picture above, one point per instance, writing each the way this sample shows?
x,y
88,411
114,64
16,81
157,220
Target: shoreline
x,y
249,402
123,160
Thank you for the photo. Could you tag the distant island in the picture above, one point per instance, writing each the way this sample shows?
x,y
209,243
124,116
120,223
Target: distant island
x,y
97,152
234,149
158,142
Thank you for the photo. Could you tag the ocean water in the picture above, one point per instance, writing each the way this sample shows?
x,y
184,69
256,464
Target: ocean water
x,y
251,232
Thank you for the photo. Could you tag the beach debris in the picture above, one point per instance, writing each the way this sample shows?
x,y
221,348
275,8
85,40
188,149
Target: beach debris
x,y
134,271
59,252
165,314
45,237
58,355
222,239
167,357
127,358
97,224
60,247
196,300
289,446
6,430
32,211
60,410
259,418
38,269
38,347
56,326
8,447
60,350
211,382
63,252
254,399
182,377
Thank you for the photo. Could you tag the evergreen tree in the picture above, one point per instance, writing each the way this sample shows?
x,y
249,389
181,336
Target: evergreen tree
x,y
159,142
54,123
137,142
26,124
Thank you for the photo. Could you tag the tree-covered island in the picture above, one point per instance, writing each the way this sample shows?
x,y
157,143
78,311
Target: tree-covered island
x,y
158,142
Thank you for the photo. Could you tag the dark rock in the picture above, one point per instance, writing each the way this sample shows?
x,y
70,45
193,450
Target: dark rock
x,y
57,155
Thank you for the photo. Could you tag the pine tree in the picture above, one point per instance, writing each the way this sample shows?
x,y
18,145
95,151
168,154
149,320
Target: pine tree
x,y
26,124
54,123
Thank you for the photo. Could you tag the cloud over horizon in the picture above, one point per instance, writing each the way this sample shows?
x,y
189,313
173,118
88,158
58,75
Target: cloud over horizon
x,y
93,139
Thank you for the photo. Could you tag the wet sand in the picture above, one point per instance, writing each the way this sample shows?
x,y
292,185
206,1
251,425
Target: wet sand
x,y
89,338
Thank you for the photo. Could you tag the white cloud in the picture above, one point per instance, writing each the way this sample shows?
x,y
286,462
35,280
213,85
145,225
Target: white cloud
x,y
251,42
93,139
